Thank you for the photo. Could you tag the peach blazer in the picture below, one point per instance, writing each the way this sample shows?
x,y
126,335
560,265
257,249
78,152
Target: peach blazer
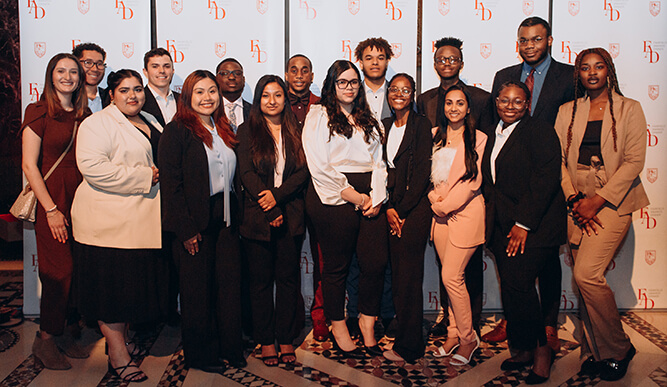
x,y
462,208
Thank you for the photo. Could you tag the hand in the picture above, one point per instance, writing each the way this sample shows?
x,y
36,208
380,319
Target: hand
x,y
517,238
434,197
277,222
586,208
591,226
58,225
266,200
368,203
156,175
435,207
372,212
192,244
395,222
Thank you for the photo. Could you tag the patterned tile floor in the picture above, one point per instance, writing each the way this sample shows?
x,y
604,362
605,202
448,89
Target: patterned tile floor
x,y
318,364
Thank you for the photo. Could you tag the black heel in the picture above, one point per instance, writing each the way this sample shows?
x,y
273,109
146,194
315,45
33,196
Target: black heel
x,y
356,353
118,371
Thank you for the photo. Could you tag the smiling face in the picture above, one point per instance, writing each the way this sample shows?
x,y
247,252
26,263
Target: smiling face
x,y
129,96
205,99
299,75
272,103
345,96
398,100
512,104
159,71
593,72
374,63
94,73
448,70
65,76
230,78
456,107
534,44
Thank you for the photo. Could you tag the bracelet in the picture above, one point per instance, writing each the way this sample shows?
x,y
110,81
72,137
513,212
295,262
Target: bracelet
x,y
358,207
55,207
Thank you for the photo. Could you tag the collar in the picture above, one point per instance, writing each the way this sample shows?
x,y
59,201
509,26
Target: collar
x,y
500,132
540,68
380,90
237,102
170,95
296,100
97,94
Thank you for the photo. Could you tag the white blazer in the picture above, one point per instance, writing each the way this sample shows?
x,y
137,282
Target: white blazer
x,y
115,205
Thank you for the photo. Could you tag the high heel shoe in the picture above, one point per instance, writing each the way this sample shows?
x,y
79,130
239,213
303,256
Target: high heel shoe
x,y
356,353
136,353
374,350
130,377
459,360
441,352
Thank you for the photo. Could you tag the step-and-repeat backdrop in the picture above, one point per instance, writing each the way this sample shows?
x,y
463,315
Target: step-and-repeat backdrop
x,y
262,34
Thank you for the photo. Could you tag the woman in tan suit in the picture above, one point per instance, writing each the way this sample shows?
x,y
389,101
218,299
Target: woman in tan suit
x,y
603,139
458,222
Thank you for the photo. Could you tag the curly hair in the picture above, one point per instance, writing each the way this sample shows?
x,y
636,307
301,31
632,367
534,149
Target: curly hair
x,y
612,85
451,42
379,44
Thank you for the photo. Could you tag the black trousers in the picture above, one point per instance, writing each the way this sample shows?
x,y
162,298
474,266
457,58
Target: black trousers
x,y
407,265
342,231
276,261
211,293
523,310
549,282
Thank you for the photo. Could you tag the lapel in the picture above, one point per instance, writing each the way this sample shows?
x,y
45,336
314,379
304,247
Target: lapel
x,y
486,161
152,106
458,167
607,140
406,142
126,126
544,99
580,121
511,141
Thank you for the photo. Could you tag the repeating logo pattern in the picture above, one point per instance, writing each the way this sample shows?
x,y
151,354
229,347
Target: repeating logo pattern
x,y
614,49
262,6
353,6
176,6
83,6
126,13
653,91
573,7
482,11
257,53
128,49
443,7
40,49
214,10
220,49
311,12
397,49
650,54
485,50
609,10
528,7
649,257
35,10
654,7
652,175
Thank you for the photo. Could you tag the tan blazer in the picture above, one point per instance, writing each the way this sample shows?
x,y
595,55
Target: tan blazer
x,y
115,205
624,188
462,207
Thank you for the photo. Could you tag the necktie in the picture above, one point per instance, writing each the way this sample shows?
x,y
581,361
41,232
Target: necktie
x,y
530,82
232,116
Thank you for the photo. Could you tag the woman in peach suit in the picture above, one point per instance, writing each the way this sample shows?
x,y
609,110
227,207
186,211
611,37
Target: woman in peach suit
x,y
458,208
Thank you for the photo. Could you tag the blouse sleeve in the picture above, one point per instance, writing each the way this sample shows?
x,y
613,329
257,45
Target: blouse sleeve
x,y
34,117
378,176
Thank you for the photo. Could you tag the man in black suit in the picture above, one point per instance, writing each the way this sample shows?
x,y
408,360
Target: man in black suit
x,y
551,84
160,99
92,58
448,63
231,82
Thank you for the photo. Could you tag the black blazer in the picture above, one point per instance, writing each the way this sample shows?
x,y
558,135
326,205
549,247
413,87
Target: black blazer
x,y
557,89
184,183
151,106
427,104
289,196
105,97
411,178
246,110
527,187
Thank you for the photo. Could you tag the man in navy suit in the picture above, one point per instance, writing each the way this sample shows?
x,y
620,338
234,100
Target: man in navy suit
x,y
160,99
551,84
231,81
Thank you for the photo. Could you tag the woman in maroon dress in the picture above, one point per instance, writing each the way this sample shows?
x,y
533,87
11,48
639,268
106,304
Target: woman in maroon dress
x,y
47,131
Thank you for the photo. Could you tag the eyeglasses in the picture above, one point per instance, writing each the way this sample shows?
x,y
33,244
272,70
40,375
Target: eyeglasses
x,y
343,83
88,63
450,60
505,102
405,91
237,73
535,40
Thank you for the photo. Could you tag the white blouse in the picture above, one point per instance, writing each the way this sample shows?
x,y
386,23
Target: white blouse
x,y
394,142
328,158
221,168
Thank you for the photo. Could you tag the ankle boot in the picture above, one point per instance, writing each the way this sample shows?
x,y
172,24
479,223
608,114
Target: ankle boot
x,y
46,353
69,345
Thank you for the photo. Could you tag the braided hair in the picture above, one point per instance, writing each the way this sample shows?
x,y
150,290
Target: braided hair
x,y
612,85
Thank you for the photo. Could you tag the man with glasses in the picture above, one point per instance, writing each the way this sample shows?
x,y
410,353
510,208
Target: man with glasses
x,y
92,59
448,63
551,85
231,82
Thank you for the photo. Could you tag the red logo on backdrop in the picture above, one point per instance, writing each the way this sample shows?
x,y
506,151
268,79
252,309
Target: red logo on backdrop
x,y
75,42
220,49
652,56
262,6
434,300
482,11
178,88
443,7
304,5
128,49
305,262
652,174
126,13
353,6
528,7
176,6
347,50
614,14
83,6
34,92
485,50
397,49
650,257
614,49
391,10
218,13
40,49
35,10
567,52
654,7
653,91
256,51
652,138
647,219
177,55
573,7
645,299
568,259
564,302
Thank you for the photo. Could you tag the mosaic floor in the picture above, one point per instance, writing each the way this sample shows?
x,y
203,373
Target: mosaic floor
x,y
318,364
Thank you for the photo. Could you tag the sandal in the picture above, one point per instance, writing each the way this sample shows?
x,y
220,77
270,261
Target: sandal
x,y
138,351
266,359
130,377
288,354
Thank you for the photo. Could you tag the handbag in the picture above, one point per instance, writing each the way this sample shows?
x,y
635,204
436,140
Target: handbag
x,y
25,206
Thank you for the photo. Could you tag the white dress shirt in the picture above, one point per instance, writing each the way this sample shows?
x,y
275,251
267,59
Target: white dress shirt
x,y
376,99
167,106
95,104
238,109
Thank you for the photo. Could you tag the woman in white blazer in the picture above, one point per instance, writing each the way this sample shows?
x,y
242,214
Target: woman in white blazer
x,y
116,221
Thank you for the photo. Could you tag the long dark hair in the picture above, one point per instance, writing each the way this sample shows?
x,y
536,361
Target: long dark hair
x,y
469,136
187,117
612,85
262,145
50,96
361,112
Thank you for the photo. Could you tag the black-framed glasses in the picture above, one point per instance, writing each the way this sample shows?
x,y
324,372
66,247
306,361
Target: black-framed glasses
x,y
237,73
343,83
88,63
517,103
405,91
450,60
534,39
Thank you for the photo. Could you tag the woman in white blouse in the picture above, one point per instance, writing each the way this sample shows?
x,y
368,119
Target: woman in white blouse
x,y
343,145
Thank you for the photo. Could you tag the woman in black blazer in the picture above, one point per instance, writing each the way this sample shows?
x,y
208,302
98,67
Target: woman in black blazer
x,y
408,154
273,172
197,169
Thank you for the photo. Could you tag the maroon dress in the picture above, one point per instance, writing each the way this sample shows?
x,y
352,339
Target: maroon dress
x,y
55,258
